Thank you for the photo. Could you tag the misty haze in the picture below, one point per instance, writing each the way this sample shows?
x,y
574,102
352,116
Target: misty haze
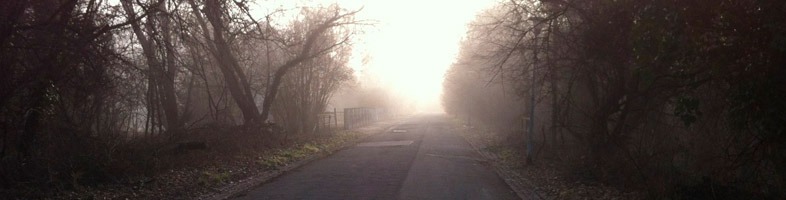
x,y
392,99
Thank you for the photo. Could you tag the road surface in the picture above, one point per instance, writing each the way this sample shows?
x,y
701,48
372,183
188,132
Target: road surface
x,y
419,158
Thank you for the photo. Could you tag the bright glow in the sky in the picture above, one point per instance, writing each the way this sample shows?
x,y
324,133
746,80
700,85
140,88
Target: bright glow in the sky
x,y
411,45
414,43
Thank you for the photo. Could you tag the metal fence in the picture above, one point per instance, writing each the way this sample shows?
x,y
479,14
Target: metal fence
x,y
356,117
329,121
350,118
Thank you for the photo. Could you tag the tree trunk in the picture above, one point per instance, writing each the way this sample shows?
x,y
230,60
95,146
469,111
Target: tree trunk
x,y
167,76
233,75
161,81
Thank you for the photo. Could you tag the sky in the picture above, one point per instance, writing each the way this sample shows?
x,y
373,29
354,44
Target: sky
x,y
411,44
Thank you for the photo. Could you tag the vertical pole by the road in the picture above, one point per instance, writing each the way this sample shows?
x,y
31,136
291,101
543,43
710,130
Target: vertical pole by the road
x,y
531,125
335,117
346,120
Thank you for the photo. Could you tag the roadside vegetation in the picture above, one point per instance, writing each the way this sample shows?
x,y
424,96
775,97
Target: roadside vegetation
x,y
545,179
675,99
162,98
219,170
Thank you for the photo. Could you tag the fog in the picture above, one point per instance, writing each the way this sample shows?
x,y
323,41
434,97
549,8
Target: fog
x,y
666,99
406,47
413,44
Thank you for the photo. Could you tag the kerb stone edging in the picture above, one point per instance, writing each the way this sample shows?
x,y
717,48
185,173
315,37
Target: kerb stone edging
x,y
523,187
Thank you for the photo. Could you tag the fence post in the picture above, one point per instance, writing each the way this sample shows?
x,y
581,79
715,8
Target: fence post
x,y
335,117
346,120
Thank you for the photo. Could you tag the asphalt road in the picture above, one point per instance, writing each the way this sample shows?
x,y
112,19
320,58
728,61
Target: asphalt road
x,y
419,158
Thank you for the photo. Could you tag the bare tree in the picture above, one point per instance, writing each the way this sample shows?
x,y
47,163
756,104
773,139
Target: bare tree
x,y
157,46
307,88
236,79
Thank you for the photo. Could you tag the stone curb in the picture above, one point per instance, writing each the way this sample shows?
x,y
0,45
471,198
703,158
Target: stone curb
x,y
250,183
523,187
